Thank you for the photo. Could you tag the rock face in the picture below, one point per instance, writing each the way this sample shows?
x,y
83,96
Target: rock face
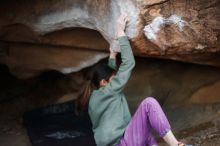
x,y
34,33
173,84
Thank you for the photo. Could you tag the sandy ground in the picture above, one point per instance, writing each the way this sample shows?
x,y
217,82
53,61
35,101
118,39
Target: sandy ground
x,y
205,137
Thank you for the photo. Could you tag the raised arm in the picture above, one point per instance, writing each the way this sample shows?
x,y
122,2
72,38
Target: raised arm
x,y
118,82
112,59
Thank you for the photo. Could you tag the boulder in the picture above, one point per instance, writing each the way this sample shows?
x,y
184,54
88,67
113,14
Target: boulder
x,y
176,29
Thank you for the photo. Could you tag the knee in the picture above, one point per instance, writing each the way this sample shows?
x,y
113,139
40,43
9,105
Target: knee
x,y
151,104
150,100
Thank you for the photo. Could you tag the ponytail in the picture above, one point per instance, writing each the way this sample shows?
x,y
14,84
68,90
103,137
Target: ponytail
x,y
83,99
101,71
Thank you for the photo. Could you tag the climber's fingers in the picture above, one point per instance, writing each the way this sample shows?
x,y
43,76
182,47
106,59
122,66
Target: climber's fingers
x,y
124,18
121,25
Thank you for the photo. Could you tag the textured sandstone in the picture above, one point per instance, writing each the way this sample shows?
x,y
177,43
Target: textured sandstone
x,y
172,29
25,60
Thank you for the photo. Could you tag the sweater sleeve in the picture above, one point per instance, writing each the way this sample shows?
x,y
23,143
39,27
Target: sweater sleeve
x,y
116,85
112,63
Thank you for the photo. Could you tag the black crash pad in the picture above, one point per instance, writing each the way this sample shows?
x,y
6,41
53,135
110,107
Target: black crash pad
x,y
58,125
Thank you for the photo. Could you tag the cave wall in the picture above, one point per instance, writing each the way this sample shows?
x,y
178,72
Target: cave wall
x,y
172,83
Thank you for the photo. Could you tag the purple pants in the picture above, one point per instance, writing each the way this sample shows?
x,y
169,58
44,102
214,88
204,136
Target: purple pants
x,y
148,115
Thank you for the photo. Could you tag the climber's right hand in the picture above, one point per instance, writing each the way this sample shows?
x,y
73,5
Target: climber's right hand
x,y
121,24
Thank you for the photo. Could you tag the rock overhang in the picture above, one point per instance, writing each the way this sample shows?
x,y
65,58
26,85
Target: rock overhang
x,y
177,29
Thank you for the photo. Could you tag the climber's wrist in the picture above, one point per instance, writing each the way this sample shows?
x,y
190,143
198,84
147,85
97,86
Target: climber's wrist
x,y
113,55
120,33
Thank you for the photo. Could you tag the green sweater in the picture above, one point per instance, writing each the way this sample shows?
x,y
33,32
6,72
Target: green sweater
x,y
108,108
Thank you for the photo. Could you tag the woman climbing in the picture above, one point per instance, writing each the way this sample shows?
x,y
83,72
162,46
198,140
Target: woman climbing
x,y
108,108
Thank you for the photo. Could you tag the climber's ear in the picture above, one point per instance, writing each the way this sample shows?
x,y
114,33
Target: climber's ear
x,y
103,83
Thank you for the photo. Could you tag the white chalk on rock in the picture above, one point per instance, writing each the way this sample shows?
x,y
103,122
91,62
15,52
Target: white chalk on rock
x,y
175,19
151,29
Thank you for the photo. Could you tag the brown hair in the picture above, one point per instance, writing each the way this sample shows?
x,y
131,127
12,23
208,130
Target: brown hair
x,y
100,72
83,98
